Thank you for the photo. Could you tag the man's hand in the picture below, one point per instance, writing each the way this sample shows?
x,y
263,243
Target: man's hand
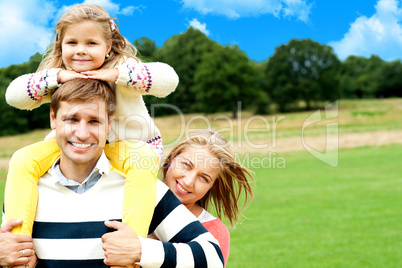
x,y
108,75
15,249
122,247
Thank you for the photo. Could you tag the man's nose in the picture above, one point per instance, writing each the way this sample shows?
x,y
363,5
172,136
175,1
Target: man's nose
x,y
82,131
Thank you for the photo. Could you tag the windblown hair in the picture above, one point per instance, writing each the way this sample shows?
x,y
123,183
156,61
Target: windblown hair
x,y
84,90
233,181
121,47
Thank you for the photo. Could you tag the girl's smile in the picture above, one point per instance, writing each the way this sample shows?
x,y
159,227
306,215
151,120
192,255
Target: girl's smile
x,y
83,47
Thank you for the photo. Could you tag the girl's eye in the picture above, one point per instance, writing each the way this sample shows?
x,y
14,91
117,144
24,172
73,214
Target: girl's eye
x,y
204,178
92,43
71,42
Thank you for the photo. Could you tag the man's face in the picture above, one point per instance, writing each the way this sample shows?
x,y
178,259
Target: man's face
x,y
81,131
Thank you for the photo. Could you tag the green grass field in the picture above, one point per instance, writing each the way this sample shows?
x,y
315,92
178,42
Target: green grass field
x,y
307,213
314,215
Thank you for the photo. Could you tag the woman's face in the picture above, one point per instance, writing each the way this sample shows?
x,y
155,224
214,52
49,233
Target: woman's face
x,y
192,174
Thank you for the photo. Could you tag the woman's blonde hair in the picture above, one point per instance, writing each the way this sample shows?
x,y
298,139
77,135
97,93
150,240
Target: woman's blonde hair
x,y
121,47
232,180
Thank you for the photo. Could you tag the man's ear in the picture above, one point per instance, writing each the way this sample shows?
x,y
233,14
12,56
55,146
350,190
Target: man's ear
x,y
110,117
52,119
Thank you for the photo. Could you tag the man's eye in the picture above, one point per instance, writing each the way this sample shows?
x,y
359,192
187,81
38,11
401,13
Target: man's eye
x,y
70,119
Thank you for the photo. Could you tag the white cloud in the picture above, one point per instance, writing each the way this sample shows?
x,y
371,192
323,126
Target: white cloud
x,y
27,26
113,9
240,8
24,29
200,26
380,34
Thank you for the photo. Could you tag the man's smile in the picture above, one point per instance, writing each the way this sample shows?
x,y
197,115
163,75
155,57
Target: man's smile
x,y
81,145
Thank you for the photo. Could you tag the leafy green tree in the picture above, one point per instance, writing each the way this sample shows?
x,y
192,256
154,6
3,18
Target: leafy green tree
x,y
302,70
15,121
146,48
262,101
361,77
184,52
12,122
391,82
223,78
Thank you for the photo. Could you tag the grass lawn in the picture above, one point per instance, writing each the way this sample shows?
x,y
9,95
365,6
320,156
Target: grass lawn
x,y
313,215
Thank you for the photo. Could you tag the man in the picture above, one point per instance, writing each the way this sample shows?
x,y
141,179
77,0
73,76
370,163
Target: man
x,y
79,197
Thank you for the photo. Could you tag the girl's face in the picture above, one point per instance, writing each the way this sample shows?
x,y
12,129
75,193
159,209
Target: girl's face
x,y
192,174
83,47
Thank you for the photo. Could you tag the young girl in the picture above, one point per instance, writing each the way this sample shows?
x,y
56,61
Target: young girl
x,y
202,172
88,44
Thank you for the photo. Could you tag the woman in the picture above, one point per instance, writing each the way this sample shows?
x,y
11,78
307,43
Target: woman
x,y
203,173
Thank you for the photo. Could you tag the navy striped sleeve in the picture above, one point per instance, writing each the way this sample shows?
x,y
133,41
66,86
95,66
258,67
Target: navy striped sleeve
x,y
199,255
170,255
218,250
165,206
188,233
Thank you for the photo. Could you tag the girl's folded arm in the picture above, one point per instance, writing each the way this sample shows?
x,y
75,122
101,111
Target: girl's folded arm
x,y
29,91
155,78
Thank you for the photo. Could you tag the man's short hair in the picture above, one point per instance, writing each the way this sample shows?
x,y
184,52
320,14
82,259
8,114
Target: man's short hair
x,y
84,90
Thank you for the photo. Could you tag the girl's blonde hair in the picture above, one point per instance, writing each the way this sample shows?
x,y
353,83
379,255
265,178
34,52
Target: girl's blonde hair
x,y
232,180
121,47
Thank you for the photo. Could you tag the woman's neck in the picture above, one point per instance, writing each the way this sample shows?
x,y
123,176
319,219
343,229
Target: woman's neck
x,y
195,209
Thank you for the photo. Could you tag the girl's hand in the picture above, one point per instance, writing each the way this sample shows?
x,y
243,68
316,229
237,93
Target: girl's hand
x,y
108,75
67,75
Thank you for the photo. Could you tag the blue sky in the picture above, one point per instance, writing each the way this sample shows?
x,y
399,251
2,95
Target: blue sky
x,y
357,27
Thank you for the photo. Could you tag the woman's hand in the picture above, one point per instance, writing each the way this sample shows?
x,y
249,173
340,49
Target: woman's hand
x,y
108,75
122,247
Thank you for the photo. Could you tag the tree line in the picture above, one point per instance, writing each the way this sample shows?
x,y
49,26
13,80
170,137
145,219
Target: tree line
x,y
302,74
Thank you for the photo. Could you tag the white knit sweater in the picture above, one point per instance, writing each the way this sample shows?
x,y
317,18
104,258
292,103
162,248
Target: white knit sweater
x,y
132,120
